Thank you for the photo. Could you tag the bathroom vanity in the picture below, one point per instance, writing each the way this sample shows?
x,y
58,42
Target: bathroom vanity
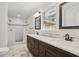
x,y
41,46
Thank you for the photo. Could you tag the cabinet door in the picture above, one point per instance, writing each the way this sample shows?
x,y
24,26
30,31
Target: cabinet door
x,y
36,48
50,53
32,45
41,49
28,42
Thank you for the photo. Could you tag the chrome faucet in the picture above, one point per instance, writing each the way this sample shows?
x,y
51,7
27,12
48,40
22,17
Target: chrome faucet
x,y
37,33
67,37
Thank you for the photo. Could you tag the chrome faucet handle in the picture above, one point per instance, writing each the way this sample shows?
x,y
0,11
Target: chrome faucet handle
x,y
37,32
72,37
67,36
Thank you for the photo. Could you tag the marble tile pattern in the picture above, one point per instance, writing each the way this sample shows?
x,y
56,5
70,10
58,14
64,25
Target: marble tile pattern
x,y
18,50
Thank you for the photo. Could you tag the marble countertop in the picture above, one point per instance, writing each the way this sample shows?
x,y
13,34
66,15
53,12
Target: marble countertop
x,y
72,47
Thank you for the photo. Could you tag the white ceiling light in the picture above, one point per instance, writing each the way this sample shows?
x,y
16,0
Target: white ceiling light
x,y
36,14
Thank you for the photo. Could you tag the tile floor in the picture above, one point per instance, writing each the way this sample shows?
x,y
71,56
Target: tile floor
x,y
18,50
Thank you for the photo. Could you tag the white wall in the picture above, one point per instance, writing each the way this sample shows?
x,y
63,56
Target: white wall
x,y
31,24
3,26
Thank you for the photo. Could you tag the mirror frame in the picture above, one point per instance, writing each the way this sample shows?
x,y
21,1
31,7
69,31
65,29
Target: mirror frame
x,y
60,18
39,20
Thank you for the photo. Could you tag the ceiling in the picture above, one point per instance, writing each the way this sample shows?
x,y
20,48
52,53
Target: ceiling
x,y
26,9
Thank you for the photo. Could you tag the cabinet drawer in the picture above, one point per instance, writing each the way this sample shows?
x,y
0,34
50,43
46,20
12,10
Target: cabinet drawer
x,y
41,49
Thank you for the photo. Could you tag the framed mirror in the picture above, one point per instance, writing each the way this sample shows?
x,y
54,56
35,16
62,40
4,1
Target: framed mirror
x,y
38,23
69,15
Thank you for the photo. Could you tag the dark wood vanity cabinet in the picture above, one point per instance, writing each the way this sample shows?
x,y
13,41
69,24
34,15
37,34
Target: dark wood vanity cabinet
x,y
32,45
42,49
